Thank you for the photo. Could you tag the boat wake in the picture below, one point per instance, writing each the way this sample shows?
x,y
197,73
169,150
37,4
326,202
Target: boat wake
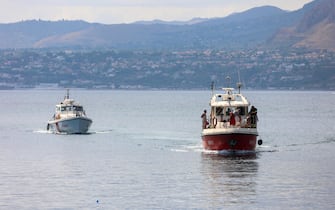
x,y
41,131
188,148
265,148
100,131
198,148
230,153
328,140
293,146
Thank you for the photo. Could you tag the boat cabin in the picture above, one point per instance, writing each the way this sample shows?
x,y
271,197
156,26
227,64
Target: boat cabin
x,y
68,108
229,110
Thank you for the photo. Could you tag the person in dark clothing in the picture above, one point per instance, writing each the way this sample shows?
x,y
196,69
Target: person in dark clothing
x,y
204,119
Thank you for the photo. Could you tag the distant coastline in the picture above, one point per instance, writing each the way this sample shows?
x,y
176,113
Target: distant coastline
x,y
110,69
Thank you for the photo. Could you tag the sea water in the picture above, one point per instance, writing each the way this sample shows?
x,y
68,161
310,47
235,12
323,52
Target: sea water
x,y
143,151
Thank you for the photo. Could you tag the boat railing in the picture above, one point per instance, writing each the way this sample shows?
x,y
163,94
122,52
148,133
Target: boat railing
x,y
237,125
246,122
69,113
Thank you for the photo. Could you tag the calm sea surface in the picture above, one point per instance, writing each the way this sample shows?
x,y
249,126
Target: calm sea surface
x,y
144,152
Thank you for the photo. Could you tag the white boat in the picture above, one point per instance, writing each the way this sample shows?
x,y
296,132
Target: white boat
x,y
69,118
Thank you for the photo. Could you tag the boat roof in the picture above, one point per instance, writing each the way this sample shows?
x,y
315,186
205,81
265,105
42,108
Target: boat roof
x,y
228,99
68,102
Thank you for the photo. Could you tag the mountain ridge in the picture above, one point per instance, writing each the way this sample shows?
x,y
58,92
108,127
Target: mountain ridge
x,y
309,27
315,29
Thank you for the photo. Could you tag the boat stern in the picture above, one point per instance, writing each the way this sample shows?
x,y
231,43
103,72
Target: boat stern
x,y
229,139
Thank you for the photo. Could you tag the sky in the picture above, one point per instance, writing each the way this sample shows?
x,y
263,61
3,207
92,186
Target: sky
x,y
128,11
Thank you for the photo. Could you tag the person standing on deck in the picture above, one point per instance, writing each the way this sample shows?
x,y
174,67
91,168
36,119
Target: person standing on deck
x,y
238,118
232,119
253,117
204,119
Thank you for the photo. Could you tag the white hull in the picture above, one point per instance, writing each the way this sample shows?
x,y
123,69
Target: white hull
x,y
73,125
224,131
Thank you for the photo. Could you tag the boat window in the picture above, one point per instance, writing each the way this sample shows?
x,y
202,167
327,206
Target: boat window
x,y
63,108
78,108
219,111
242,110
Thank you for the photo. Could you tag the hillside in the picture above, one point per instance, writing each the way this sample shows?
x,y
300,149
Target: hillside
x,y
26,34
245,29
315,30
191,69
310,27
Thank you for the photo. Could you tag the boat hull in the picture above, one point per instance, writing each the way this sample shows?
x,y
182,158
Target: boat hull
x,y
229,140
75,125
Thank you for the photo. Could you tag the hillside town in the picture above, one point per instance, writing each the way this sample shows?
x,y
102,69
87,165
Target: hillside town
x,y
191,69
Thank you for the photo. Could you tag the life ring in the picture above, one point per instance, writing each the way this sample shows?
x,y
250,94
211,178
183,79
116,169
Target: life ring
x,y
260,141
214,122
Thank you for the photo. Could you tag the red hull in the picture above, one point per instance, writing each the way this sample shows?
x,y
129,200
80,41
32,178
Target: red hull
x,y
230,142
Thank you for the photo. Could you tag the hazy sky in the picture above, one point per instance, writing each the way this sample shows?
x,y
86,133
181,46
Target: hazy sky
x,y
126,11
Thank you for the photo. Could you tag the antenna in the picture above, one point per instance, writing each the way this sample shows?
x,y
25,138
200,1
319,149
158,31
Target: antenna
x,y
239,84
67,93
212,87
228,79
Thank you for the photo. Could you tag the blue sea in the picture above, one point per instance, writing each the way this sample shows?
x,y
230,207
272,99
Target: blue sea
x,y
144,151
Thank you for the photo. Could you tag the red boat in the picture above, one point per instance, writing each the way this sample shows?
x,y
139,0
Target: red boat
x,y
232,124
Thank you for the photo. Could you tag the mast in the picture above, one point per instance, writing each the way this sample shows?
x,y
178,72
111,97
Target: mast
x,y
212,87
239,84
228,79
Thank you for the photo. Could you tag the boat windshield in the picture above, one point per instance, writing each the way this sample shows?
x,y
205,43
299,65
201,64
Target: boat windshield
x,y
70,108
78,108
227,110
